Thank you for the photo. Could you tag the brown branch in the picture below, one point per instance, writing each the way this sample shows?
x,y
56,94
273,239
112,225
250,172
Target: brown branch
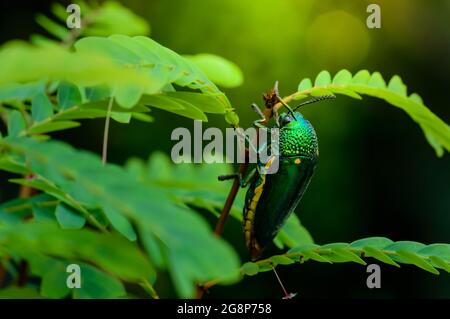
x,y
230,199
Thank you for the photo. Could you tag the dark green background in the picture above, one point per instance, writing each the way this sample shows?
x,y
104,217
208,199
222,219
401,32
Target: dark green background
x,y
377,176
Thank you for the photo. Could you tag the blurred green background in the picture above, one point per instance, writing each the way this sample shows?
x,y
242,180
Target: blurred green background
x,y
377,175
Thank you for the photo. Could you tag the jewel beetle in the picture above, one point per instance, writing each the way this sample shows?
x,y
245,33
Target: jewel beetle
x,y
271,198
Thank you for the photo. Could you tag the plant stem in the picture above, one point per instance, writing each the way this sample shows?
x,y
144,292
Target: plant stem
x,y
106,131
145,283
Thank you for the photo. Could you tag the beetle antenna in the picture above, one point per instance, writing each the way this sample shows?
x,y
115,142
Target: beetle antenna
x,y
275,89
287,295
316,99
287,106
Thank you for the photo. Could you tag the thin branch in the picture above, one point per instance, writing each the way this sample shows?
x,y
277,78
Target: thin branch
x,y
230,199
145,283
106,131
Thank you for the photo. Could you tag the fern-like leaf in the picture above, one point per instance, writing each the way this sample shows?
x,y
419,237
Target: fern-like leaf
x,y
427,257
436,131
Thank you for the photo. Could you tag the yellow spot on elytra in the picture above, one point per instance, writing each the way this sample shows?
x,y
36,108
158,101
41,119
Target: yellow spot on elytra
x,y
297,161
269,162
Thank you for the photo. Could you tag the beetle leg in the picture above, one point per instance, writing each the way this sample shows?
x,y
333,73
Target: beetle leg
x,y
245,137
258,123
243,180
248,177
229,176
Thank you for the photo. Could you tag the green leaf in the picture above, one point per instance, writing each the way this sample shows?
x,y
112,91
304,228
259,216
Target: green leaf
x,y
413,258
440,263
190,111
52,27
174,105
315,256
161,101
396,85
120,223
439,250
209,103
347,254
154,249
43,213
232,118
323,79
68,95
281,260
375,242
143,117
250,269
47,127
10,164
381,256
121,117
41,107
404,245
377,81
305,84
128,96
343,77
69,219
19,92
21,62
361,77
16,123
97,93
221,71
96,284
114,18
54,281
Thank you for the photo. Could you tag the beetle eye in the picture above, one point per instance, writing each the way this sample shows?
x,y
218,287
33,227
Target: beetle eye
x,y
286,120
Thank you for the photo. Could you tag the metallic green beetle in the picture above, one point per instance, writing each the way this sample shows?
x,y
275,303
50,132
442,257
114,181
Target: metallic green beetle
x,y
271,198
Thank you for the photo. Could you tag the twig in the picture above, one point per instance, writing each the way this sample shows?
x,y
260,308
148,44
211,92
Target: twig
x,y
145,283
230,199
106,131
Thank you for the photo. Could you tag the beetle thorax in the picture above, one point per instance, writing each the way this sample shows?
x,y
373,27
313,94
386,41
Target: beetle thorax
x,y
298,138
